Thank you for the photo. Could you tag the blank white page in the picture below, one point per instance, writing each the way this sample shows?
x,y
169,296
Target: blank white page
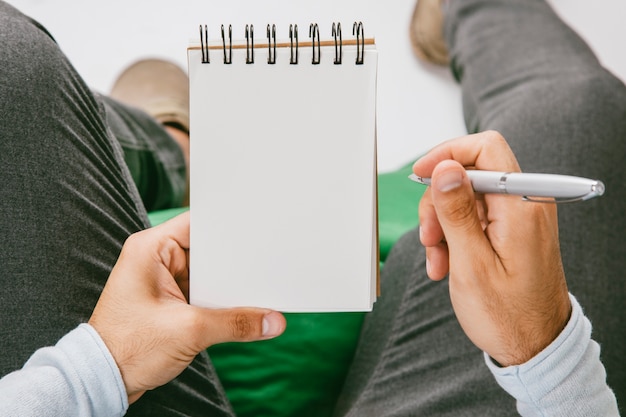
x,y
283,181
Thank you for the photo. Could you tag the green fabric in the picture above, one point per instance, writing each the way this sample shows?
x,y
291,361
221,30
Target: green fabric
x,y
398,200
158,217
301,372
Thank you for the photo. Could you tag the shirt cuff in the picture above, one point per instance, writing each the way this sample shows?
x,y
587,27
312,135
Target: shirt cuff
x,y
567,378
101,384
549,367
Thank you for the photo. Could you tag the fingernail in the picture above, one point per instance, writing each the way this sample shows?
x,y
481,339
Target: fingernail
x,y
449,181
272,324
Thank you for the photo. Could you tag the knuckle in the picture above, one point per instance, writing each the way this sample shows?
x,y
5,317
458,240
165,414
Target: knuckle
x,y
132,244
493,137
460,212
242,326
142,238
133,239
497,148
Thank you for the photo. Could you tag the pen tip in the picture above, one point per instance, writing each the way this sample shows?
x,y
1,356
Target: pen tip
x,y
420,180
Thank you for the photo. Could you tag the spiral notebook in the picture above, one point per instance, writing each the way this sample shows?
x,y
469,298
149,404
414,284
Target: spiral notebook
x,y
283,170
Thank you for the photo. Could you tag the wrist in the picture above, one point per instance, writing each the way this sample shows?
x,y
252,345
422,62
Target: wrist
x,y
531,344
571,361
529,341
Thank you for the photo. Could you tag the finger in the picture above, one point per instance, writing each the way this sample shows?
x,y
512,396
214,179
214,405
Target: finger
x,y
437,261
431,236
177,228
239,325
455,205
485,150
182,277
431,232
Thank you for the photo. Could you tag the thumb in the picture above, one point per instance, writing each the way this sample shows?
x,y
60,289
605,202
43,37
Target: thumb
x,y
238,325
455,205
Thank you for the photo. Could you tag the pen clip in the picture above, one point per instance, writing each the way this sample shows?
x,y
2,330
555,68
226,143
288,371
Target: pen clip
x,y
597,190
553,200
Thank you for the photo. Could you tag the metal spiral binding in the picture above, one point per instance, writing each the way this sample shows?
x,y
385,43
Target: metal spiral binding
x,y
204,45
271,57
228,59
357,29
338,45
293,34
314,32
249,44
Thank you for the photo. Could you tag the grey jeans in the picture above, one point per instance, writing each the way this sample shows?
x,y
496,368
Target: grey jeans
x,y
79,170
78,173
524,73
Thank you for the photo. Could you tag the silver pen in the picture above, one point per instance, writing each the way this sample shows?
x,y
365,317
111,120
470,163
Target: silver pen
x,y
532,187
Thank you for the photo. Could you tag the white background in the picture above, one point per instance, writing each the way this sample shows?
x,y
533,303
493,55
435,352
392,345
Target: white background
x,y
418,104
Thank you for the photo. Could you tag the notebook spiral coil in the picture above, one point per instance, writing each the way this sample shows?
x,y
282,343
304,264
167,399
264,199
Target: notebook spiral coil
x,y
294,44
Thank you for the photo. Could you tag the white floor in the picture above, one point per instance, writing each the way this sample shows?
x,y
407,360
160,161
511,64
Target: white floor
x,y
418,105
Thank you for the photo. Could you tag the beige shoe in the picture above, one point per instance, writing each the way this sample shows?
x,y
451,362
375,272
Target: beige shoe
x,y
426,32
158,87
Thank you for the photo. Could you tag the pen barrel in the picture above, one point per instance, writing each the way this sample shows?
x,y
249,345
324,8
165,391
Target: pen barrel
x,y
544,185
535,185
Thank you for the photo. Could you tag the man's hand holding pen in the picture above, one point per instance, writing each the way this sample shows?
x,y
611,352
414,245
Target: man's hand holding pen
x,y
502,254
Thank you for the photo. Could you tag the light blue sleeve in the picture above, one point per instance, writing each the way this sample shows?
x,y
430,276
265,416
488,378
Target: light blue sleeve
x,y
76,377
566,379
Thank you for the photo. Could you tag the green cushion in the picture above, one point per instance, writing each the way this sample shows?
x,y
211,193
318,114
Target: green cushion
x,y
301,372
